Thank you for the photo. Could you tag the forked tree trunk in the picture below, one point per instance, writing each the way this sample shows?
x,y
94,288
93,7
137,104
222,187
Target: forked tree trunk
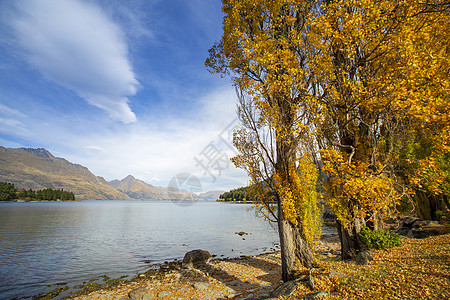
x,y
292,240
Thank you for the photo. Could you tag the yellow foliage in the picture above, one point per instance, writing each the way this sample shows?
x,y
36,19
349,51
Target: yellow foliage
x,y
356,189
298,196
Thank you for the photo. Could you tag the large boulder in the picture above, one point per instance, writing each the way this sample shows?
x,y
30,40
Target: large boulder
x,y
405,226
409,221
195,259
421,223
424,228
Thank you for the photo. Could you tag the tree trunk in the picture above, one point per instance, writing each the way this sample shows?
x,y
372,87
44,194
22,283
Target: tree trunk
x,y
435,206
428,205
350,243
302,250
445,199
292,241
293,245
375,222
287,245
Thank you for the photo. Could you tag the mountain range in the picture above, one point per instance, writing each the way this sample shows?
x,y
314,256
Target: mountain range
x,y
30,168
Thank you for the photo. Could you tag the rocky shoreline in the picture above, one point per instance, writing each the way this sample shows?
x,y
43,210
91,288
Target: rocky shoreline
x,y
246,277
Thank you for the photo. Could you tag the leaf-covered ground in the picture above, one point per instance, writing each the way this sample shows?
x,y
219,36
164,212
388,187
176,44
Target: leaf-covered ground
x,y
419,269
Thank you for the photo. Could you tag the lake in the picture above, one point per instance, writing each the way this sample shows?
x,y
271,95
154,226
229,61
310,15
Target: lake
x,y
42,244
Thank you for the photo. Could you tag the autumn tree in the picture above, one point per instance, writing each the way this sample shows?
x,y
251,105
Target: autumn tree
x,y
263,48
365,82
419,80
383,72
358,120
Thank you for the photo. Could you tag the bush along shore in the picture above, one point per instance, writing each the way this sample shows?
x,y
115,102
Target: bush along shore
x,y
417,269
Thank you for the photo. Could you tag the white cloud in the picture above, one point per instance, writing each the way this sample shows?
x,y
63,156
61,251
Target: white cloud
x,y
159,151
6,110
13,126
9,123
75,44
96,149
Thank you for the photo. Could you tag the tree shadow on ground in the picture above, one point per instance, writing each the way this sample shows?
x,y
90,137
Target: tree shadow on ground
x,y
238,285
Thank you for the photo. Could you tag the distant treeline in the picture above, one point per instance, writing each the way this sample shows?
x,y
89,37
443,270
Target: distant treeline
x,y
8,192
239,194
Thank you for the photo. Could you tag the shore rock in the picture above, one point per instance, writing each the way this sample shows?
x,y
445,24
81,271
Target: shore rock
x,y
201,285
363,258
164,294
195,259
285,289
420,229
140,294
413,227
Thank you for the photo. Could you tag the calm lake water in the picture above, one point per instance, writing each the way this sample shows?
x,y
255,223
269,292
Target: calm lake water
x,y
42,244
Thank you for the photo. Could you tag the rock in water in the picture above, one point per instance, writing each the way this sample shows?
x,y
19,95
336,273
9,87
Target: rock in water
x,y
241,233
195,259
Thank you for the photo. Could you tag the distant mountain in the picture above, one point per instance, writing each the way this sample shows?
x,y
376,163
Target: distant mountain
x,y
211,195
138,189
38,169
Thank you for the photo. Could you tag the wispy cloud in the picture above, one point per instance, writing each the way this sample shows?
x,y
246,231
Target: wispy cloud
x,y
10,125
10,122
75,44
8,111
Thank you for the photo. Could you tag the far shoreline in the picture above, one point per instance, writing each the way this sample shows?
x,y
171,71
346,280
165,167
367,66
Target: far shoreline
x,y
36,201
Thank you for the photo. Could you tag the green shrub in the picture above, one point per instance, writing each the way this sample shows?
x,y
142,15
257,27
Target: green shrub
x,y
379,239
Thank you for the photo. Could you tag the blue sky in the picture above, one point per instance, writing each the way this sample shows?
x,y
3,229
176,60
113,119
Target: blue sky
x,y
119,87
